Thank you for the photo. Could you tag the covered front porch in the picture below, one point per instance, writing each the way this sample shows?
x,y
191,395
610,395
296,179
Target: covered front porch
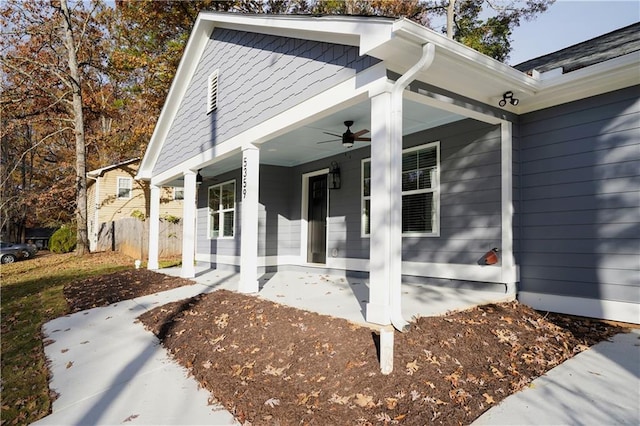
x,y
347,297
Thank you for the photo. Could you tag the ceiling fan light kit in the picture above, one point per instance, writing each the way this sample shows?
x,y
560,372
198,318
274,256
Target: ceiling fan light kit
x,y
349,138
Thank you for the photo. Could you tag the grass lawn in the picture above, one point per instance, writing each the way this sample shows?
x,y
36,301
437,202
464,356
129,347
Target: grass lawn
x,y
31,294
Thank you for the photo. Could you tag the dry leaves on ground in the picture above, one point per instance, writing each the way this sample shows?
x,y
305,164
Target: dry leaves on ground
x,y
272,364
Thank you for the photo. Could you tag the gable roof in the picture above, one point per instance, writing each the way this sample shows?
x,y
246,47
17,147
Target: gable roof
x,y
399,44
99,172
599,49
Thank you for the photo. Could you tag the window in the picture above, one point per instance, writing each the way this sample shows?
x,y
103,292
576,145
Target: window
x,y
420,191
222,200
124,187
212,98
178,193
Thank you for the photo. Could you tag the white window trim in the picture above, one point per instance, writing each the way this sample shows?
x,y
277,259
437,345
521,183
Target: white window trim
x,y
212,91
222,211
118,187
435,190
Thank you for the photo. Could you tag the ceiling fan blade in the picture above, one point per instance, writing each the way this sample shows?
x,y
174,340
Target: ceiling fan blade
x,y
363,139
332,140
332,134
361,132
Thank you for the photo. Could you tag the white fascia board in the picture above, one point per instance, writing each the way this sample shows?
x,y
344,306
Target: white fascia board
x,y
467,57
339,29
603,77
190,59
343,95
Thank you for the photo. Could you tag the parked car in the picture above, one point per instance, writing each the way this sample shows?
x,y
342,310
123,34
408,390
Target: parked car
x,y
28,250
9,253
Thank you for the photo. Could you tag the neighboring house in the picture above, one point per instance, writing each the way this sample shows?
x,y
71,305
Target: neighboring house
x,y
467,154
113,193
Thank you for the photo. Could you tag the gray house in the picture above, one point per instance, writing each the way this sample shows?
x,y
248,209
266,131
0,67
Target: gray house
x,y
377,146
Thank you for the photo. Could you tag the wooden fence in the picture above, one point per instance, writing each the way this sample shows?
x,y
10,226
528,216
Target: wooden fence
x,y
130,236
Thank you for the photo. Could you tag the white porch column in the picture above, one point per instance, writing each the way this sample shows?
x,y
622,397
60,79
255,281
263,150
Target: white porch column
x,y
249,220
189,225
154,227
381,255
509,273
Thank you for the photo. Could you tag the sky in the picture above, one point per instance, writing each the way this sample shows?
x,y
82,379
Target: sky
x,y
568,22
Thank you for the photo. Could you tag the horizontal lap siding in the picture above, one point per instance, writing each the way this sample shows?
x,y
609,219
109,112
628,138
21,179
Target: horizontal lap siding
x,y
470,182
259,77
579,221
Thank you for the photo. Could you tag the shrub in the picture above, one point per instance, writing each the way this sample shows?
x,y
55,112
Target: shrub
x,y
63,240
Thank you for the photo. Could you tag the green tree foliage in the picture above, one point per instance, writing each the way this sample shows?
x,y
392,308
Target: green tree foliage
x,y
63,240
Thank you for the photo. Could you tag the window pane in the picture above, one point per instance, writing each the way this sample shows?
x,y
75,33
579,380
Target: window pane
x,y
417,213
366,187
427,158
409,161
228,224
366,215
228,196
124,188
214,198
178,193
425,178
409,181
215,225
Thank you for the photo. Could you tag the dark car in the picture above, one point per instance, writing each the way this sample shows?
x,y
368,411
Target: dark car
x,y
9,253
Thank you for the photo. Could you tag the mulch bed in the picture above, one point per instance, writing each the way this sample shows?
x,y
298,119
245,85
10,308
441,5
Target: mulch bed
x,y
270,364
104,290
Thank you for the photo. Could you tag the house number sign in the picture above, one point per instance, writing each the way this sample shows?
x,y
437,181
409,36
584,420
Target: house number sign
x,y
245,172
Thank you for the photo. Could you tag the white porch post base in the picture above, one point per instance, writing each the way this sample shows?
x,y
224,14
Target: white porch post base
x,y
189,225
154,227
249,192
378,309
378,313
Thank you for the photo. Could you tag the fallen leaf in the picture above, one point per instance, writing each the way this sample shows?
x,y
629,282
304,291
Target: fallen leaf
x,y
362,400
207,364
337,399
272,402
412,367
69,364
488,398
391,403
131,417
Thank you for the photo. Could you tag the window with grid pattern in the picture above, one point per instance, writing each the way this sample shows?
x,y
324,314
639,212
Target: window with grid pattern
x,y
222,201
420,191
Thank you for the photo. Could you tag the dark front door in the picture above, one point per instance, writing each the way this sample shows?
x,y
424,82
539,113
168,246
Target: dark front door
x,y
317,218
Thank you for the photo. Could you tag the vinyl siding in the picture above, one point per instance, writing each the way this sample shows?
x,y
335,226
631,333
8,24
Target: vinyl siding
x,y
579,219
260,76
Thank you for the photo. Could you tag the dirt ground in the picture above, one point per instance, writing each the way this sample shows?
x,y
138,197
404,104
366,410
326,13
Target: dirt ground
x,y
270,364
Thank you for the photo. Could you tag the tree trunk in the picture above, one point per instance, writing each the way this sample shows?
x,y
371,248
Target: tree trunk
x,y
451,7
82,246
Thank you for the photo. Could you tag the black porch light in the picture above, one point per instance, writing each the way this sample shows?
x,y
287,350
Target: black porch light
x,y
508,96
334,176
199,178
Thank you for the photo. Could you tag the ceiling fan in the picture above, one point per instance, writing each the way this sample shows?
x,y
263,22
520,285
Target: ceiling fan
x,y
348,138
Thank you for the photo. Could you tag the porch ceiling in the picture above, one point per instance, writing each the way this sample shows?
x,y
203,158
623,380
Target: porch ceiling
x,y
301,145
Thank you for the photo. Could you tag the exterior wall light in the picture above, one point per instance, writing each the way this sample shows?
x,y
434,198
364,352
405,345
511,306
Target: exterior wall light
x,y
334,176
508,96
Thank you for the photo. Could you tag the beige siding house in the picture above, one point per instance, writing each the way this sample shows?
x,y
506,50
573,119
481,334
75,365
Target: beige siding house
x,y
113,194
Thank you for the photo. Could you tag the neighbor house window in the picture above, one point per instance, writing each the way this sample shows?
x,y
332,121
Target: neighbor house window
x,y
420,191
124,187
212,93
178,193
222,201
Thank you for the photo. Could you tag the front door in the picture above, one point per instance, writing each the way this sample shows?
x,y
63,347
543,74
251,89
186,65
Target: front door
x,y
317,219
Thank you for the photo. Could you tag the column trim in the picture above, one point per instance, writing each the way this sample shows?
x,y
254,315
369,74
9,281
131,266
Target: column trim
x,y
189,225
154,227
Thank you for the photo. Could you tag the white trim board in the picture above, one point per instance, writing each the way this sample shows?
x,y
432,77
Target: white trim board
x,y
474,273
592,308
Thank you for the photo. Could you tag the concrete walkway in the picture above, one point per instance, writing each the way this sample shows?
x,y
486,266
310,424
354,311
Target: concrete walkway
x,y
600,386
107,369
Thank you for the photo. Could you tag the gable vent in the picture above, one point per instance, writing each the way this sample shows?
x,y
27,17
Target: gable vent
x,y
212,99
